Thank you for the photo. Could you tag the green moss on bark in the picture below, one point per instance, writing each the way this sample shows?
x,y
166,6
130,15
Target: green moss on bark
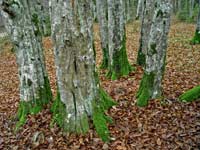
x,y
99,118
141,58
34,106
191,95
59,111
196,38
37,23
120,66
104,64
145,91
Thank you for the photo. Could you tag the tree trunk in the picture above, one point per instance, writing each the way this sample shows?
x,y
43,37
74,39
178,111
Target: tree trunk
x,y
45,17
147,16
102,14
80,95
191,8
23,25
150,86
139,9
119,65
196,38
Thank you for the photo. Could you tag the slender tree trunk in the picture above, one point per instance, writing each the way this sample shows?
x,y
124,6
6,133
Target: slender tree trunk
x,y
147,17
119,64
150,86
45,17
22,22
191,8
196,38
132,10
102,14
94,8
129,10
80,95
139,9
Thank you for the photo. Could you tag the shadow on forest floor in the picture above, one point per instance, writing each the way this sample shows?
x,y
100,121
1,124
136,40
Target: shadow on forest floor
x,y
164,124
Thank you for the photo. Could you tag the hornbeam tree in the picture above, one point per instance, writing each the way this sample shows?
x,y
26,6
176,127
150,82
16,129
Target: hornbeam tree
x,y
22,22
80,96
196,38
118,65
102,15
150,86
147,16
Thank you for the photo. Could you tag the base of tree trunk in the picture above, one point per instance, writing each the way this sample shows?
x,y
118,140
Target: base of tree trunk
x,y
120,66
104,64
191,95
100,120
34,106
145,91
196,38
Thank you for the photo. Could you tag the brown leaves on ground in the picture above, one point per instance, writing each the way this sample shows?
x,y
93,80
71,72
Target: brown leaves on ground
x,y
164,124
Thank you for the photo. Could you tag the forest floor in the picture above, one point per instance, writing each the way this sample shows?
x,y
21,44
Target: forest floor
x,y
165,124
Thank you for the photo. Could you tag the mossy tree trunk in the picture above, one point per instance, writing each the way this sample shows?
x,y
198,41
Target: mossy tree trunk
x,y
147,17
150,86
102,15
196,38
118,65
79,94
22,22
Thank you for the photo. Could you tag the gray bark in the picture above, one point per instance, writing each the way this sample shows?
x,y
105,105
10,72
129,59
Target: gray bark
x,y
102,14
157,46
147,17
129,10
198,19
191,8
139,9
22,24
